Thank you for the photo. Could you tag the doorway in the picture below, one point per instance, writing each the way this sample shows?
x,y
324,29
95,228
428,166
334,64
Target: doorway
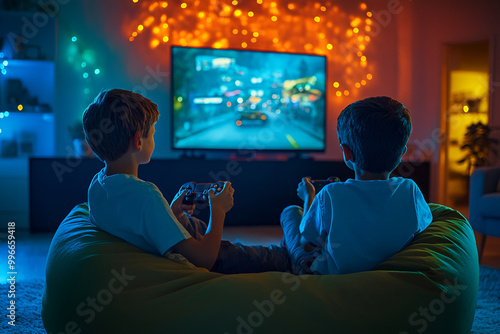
x,y
466,79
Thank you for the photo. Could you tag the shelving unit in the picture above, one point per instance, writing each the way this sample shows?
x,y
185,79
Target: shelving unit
x,y
27,124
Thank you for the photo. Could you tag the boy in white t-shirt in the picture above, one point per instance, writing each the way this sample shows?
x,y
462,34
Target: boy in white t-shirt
x,y
354,225
119,126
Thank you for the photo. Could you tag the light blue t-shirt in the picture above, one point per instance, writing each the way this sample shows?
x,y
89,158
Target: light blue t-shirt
x,y
359,224
134,210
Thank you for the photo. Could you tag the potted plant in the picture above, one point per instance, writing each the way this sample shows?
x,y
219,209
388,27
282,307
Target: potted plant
x,y
80,145
479,146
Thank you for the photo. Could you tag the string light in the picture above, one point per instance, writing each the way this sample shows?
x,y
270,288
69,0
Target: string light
x,y
279,25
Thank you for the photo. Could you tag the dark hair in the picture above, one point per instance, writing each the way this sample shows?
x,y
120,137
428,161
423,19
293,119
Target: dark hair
x,y
113,118
376,130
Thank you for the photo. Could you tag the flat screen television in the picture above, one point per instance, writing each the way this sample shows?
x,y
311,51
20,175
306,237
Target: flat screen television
x,y
224,99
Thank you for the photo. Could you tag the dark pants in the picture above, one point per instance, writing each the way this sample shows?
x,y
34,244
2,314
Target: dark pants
x,y
236,258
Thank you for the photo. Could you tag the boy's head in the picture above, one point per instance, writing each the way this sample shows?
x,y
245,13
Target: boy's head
x,y
376,130
113,118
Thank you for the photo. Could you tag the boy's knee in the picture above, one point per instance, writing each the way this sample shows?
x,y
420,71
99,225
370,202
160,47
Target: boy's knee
x,y
292,211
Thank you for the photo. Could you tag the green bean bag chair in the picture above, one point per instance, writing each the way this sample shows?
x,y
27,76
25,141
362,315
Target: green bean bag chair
x,y
97,283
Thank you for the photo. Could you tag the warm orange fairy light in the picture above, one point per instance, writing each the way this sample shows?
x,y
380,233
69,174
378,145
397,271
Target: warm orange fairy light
x,y
154,43
228,103
207,22
153,6
149,21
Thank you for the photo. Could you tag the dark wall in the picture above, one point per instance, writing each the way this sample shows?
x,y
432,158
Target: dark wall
x,y
262,188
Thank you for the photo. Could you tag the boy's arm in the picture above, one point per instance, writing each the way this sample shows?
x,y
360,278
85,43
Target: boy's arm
x,y
306,192
203,252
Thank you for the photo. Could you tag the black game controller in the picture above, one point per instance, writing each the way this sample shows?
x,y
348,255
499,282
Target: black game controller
x,y
197,193
319,184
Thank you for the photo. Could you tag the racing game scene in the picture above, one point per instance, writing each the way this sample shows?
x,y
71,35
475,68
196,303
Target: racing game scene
x,y
247,100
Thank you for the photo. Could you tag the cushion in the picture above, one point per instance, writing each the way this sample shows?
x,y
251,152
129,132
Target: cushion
x,y
98,283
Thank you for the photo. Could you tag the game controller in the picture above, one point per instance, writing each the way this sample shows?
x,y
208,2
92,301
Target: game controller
x,y
319,184
197,193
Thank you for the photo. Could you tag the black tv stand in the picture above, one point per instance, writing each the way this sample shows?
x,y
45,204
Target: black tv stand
x,y
191,154
299,156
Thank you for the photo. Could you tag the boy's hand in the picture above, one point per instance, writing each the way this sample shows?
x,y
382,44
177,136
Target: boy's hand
x,y
223,200
178,207
305,188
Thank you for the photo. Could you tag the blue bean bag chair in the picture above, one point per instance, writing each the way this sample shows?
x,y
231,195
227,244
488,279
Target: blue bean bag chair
x,y
98,283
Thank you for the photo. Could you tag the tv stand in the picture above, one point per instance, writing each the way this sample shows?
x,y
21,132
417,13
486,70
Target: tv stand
x,y
299,156
190,154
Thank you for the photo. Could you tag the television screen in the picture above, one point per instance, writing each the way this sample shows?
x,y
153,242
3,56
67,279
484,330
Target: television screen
x,y
247,100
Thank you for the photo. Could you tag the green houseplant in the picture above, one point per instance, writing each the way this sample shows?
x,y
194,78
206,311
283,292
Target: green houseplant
x,y
479,146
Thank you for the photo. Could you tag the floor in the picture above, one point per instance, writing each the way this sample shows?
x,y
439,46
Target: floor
x,y
31,249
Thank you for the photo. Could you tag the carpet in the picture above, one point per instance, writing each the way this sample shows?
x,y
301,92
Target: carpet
x,y
28,302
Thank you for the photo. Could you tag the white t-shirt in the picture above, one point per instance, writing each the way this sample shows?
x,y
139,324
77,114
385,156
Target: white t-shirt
x,y
134,210
358,224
